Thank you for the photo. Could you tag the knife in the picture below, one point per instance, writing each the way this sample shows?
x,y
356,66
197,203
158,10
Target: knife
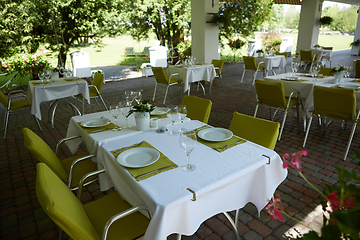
x,y
100,130
154,171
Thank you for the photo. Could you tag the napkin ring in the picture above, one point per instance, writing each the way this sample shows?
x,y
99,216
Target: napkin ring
x,y
268,163
194,194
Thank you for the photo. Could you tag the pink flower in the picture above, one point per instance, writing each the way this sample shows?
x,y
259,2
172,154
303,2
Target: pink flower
x,y
12,58
32,66
41,64
35,62
26,63
334,201
274,209
30,71
11,65
295,162
7,69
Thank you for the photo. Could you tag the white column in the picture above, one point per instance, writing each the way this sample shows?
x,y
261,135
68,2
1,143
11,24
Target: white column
x,y
356,50
309,24
204,36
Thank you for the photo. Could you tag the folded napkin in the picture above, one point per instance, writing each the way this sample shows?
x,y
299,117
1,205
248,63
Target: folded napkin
x,y
97,129
219,146
163,161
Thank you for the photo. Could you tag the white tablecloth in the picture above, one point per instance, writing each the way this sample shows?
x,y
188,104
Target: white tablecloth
x,y
272,61
196,73
222,181
56,90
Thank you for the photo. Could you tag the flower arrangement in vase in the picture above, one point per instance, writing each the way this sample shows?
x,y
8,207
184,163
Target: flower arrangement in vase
x,y
142,114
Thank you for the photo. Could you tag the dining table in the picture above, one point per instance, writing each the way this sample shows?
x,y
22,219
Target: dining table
x,y
270,62
179,201
190,74
54,90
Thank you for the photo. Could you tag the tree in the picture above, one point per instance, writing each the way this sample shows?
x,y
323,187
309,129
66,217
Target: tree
x,y
166,18
241,18
277,17
292,17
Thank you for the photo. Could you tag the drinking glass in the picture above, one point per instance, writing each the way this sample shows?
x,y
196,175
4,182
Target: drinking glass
x,y
182,114
316,69
129,96
188,142
124,109
173,114
348,71
295,67
115,111
137,97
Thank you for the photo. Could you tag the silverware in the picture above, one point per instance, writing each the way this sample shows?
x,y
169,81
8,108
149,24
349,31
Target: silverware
x,y
154,171
224,147
124,148
100,130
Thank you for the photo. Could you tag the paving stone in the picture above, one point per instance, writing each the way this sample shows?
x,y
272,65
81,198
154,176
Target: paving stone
x,y
244,218
329,180
44,225
259,228
297,204
251,235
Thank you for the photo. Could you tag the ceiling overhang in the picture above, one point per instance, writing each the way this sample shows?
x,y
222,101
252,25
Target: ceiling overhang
x,y
295,2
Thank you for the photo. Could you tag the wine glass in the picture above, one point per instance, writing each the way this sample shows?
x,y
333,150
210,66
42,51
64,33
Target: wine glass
x,y
348,72
129,96
124,109
316,69
294,67
182,114
173,114
137,97
115,111
188,142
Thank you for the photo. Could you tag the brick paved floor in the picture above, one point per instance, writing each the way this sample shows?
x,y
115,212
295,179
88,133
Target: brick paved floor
x,y
22,217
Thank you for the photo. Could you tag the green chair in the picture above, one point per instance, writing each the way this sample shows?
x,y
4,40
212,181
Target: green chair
x,y
250,64
161,78
197,108
326,71
218,64
272,95
109,217
15,101
129,52
306,57
69,170
257,130
334,104
357,68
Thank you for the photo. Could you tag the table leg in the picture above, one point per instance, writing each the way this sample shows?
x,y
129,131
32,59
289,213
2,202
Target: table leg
x,y
178,237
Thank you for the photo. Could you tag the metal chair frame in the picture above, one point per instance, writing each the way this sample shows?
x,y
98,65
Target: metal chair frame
x,y
255,73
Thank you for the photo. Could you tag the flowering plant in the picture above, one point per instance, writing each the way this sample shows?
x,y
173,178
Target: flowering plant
x,y
184,49
272,42
355,43
236,44
26,64
144,106
317,46
259,51
341,205
338,68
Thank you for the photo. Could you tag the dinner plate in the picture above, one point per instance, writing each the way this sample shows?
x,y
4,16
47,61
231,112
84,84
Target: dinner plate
x,y
290,78
138,157
310,75
215,134
349,85
159,111
98,122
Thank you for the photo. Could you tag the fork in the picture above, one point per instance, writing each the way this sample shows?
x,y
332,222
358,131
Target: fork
x,y
125,148
224,147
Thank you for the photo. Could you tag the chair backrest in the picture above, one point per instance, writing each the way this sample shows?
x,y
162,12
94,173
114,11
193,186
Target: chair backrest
x,y
357,68
306,56
270,93
62,206
257,130
146,51
335,102
328,48
3,99
250,63
326,71
160,75
129,51
98,81
284,54
197,108
44,153
219,64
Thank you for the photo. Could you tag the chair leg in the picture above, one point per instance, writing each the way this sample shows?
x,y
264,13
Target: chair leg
x,y
233,225
222,83
97,103
256,109
283,124
166,92
350,140
6,123
210,86
38,123
307,130
154,92
242,78
102,100
255,74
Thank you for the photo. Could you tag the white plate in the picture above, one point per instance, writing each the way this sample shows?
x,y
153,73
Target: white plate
x,y
138,157
99,122
290,78
215,134
159,111
349,85
309,75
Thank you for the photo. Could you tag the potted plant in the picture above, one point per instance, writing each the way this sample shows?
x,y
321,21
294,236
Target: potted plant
x,y
326,20
259,52
142,114
338,72
355,43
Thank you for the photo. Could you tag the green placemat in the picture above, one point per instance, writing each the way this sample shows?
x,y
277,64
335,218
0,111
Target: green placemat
x,y
219,146
356,80
97,129
163,161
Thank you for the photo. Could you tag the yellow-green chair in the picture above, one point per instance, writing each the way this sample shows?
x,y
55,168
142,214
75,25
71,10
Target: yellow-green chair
x,y
161,78
109,217
94,91
218,64
257,130
272,95
250,64
334,104
69,170
197,108
357,68
15,101
326,71
306,57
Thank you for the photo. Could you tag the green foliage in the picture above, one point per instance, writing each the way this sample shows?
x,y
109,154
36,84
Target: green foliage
x,y
142,107
344,19
326,20
184,49
236,44
355,43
